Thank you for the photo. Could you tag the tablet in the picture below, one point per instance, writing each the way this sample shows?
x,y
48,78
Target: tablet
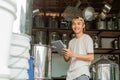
x,y
58,44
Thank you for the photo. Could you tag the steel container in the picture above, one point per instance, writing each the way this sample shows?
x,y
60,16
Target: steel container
x,y
105,71
42,61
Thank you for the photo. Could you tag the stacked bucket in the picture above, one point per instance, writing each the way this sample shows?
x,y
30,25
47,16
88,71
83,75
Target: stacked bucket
x,y
19,57
7,17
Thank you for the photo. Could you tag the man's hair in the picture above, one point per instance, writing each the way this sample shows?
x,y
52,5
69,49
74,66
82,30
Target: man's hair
x,y
80,18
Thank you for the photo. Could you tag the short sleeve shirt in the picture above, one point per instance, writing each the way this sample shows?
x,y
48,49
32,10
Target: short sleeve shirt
x,y
82,45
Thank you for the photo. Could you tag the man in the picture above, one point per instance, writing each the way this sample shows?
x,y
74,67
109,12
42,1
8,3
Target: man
x,y
80,51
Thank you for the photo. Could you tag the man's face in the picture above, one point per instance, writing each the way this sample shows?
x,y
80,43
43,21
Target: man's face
x,y
77,26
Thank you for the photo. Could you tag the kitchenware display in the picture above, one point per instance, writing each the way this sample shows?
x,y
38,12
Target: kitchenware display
x,y
104,69
42,61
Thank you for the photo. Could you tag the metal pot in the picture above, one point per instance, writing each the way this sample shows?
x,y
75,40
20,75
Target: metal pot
x,y
104,70
42,61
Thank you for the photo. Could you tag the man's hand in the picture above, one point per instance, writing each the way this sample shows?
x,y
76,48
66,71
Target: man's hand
x,y
67,53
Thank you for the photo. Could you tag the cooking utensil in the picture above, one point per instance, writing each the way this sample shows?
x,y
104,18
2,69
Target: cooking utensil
x,y
88,13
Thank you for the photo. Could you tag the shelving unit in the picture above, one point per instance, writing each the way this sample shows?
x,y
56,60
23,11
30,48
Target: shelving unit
x,y
101,33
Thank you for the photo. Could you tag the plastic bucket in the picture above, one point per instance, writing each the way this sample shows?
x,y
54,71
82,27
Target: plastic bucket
x,y
18,74
4,77
19,56
18,62
7,17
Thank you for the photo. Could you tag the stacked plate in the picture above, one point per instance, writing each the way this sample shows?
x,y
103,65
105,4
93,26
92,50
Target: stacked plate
x,y
19,56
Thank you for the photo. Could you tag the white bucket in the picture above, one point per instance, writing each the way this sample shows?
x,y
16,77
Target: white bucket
x,y
20,46
19,51
18,74
7,17
21,40
18,62
19,55
4,77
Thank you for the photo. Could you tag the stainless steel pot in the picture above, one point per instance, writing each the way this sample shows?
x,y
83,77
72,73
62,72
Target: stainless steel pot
x,y
42,61
104,70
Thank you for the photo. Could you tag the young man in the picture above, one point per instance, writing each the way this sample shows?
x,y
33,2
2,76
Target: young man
x,y
80,51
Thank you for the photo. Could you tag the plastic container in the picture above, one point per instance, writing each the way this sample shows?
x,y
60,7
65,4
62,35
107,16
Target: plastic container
x,y
7,17
18,74
18,62
19,55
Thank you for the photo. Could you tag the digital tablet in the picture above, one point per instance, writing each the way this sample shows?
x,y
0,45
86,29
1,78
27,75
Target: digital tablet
x,y
58,44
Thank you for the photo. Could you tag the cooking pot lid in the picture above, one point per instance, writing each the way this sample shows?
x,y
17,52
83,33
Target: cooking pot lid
x,y
88,13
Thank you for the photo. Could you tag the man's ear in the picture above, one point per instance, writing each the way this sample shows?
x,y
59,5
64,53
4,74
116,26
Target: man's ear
x,y
83,25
